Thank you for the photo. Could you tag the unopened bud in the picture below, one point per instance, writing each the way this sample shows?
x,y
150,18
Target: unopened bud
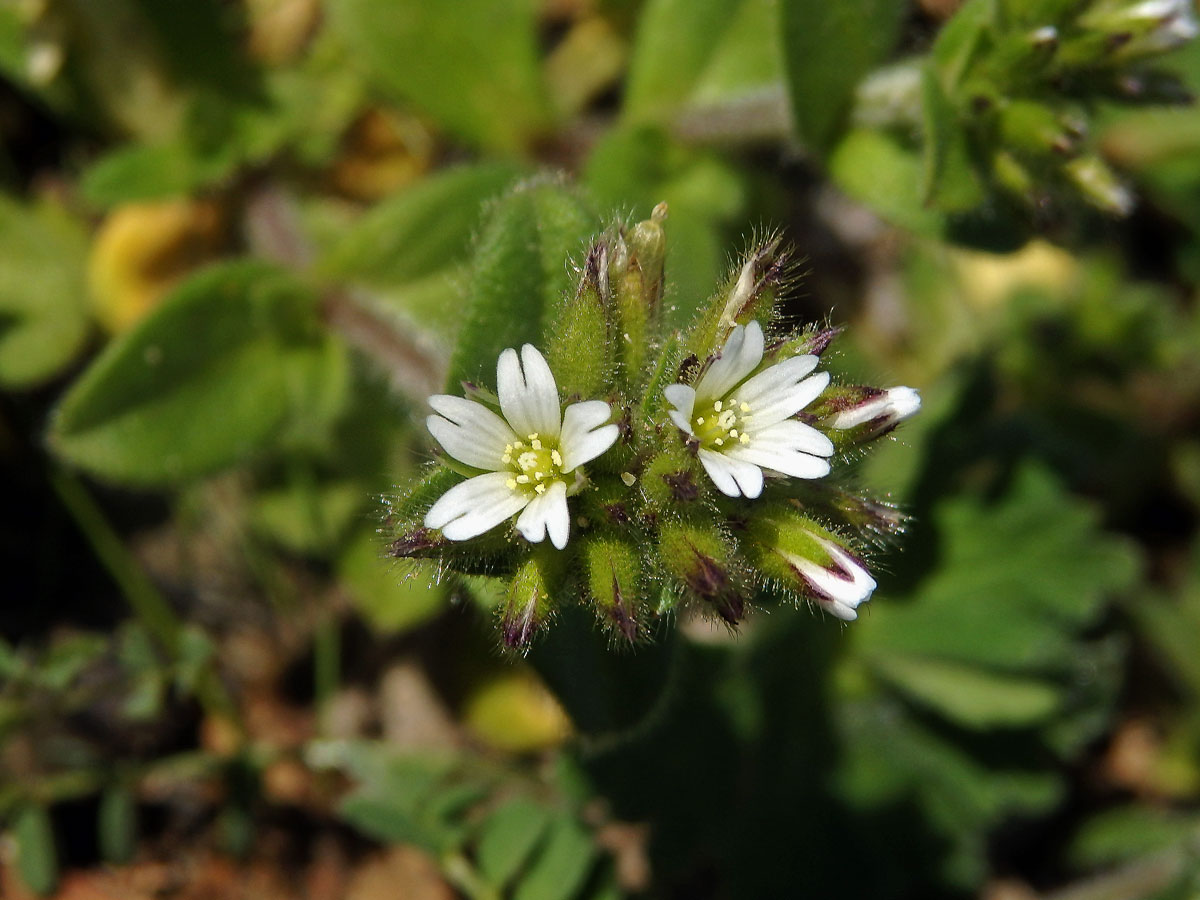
x,y
527,604
1143,28
614,572
882,410
802,555
701,559
1035,130
1099,185
580,347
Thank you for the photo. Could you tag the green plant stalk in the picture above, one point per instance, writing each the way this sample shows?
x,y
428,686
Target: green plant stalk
x,y
145,601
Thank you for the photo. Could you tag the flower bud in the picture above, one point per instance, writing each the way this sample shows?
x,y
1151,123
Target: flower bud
x,y
701,559
1034,129
1142,27
1099,185
874,411
614,579
636,275
749,294
528,604
802,556
671,479
580,346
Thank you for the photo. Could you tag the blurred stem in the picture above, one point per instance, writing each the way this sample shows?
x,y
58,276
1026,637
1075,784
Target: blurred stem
x,y
148,605
460,873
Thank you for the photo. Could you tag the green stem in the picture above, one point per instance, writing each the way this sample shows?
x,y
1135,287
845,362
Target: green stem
x,y
148,605
460,873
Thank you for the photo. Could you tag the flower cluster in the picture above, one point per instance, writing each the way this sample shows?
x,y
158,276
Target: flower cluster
x,y
695,468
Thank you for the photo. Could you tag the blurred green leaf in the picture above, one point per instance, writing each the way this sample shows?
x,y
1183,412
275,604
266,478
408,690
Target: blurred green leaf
x,y
518,273
37,858
561,865
961,39
43,317
1129,832
967,695
470,64
508,838
1017,578
394,596
116,824
204,382
675,41
950,183
420,230
828,48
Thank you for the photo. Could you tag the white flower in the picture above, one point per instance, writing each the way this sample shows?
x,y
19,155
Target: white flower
x,y
744,424
887,409
531,459
839,590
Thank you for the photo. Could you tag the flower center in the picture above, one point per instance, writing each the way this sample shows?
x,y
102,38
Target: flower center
x,y
722,424
534,465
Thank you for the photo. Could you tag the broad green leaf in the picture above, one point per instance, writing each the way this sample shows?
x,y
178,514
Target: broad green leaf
x,y
970,696
37,858
470,64
519,272
827,49
507,839
419,231
309,517
748,58
147,172
1017,578
43,318
561,866
206,381
675,41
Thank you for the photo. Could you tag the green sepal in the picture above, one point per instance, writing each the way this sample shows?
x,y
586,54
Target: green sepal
x,y
529,603
579,348
703,563
613,570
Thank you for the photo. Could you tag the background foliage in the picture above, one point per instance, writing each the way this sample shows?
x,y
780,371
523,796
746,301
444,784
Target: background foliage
x,y
238,244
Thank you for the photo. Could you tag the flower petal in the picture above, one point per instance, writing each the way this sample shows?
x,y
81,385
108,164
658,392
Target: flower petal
x,y
547,513
785,461
788,401
733,477
585,434
790,434
474,506
469,431
682,397
770,381
681,421
742,353
838,591
528,398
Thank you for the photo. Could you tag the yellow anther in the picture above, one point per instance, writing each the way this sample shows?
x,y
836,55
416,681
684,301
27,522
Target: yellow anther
x,y
733,432
539,475
719,442
522,479
700,420
541,489
717,406
536,444
745,407
511,484
745,438
556,457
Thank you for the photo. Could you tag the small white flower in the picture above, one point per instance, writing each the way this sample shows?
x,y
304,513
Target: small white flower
x,y
530,455
887,408
744,424
839,590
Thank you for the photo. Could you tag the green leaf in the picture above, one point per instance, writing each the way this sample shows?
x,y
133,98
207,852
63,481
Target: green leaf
x,y
43,317
828,48
949,181
507,839
1129,832
961,39
204,382
421,229
675,41
147,172
560,868
37,858
395,596
970,696
1016,579
471,64
519,273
